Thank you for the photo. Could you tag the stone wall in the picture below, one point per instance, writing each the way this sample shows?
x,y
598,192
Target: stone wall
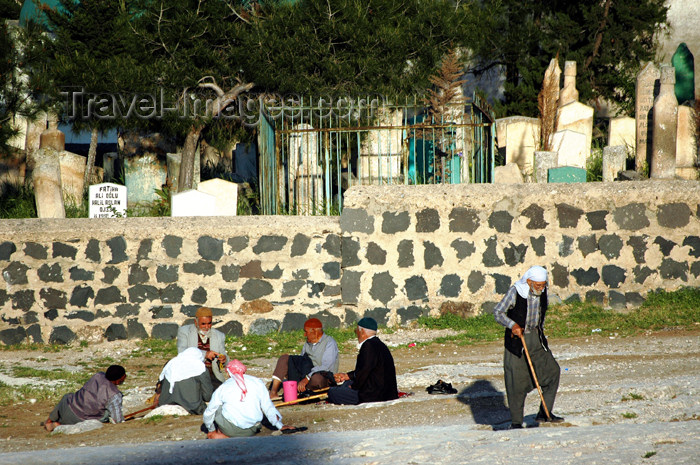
x,y
396,253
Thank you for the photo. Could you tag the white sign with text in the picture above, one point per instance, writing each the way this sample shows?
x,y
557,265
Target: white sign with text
x,y
107,200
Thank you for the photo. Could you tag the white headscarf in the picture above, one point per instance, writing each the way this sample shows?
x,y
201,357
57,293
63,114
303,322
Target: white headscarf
x,y
535,273
187,364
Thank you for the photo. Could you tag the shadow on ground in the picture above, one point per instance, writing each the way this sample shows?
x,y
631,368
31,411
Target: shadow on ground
x,y
487,404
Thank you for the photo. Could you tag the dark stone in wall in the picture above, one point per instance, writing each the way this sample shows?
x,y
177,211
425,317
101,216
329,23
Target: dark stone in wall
x,y
138,274
30,317
110,274
50,273
595,297
393,222
634,299
610,245
199,296
161,311
79,274
380,314
501,221
165,331
383,287
125,310
51,314
586,277
501,283
275,273
587,244
613,276
238,243
300,245
118,247
53,298
210,248
451,285
61,335
145,248
538,245
291,288
560,275
514,254
332,270
13,336
671,269
172,246
6,250
573,298
356,220
332,245
431,255
327,319
135,330
350,286
464,220
81,315
64,250
33,250
4,297
617,300
641,273
92,251
664,245
293,322
351,318
566,246
695,269
487,308
674,215
535,214
202,267
351,250
375,255
405,249
639,247
490,257
330,291
227,295
23,300
694,243
34,332
263,326
169,273
139,293
255,288
416,288
10,321
230,273
300,274
232,328
412,312
475,281
568,215
315,289
109,295
172,294
597,220
427,220
191,310
631,217
15,273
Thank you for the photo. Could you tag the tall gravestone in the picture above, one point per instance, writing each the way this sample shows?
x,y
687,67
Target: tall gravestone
x,y
663,156
646,90
47,184
569,93
686,144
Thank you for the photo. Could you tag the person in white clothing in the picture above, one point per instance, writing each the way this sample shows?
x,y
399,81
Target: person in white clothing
x,y
237,407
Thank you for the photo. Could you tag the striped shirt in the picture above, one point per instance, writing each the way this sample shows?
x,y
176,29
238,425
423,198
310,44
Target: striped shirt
x,y
114,407
500,312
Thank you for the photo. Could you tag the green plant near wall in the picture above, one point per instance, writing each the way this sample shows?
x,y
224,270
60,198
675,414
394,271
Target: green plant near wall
x,y
594,165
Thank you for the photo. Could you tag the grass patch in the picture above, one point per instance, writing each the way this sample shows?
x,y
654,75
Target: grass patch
x,y
276,344
157,347
154,420
629,415
649,454
632,396
57,374
474,329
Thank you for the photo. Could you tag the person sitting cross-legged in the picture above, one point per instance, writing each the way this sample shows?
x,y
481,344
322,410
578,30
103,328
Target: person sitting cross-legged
x,y
185,381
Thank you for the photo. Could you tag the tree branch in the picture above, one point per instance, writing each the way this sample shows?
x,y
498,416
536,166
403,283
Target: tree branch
x,y
599,35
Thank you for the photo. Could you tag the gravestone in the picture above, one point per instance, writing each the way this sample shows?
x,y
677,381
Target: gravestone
x,y
47,184
143,175
519,136
381,152
107,200
686,144
544,161
578,117
614,158
52,136
646,90
554,71
571,148
225,193
567,174
508,174
192,203
622,132
663,155
305,175
569,93
72,176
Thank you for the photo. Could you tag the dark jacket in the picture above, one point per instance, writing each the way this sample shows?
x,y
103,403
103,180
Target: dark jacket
x,y
90,401
519,314
374,377
191,393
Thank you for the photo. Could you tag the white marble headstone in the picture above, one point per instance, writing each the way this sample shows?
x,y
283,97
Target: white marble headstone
x,y
107,200
193,203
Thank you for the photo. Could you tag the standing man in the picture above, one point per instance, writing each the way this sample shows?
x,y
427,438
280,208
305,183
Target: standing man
x,y
522,311
98,399
207,339
374,376
314,367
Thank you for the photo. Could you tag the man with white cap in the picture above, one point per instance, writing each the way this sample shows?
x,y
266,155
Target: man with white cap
x,y
522,311
185,381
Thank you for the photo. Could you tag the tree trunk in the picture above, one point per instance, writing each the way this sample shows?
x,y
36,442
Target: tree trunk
x,y
90,163
185,179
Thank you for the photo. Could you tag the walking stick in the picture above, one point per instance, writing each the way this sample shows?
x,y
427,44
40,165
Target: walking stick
x,y
316,391
132,415
534,376
292,402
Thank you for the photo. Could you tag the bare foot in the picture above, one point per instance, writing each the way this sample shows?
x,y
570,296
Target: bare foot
x,y
273,395
50,425
216,435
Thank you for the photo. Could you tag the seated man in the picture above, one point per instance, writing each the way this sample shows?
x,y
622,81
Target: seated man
x,y
374,377
98,399
236,409
314,367
185,381
207,339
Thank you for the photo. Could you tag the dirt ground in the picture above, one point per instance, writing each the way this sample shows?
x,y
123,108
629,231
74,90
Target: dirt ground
x,y
605,380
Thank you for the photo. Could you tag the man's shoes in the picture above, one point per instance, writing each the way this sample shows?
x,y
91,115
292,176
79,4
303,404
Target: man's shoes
x,y
441,387
542,418
516,426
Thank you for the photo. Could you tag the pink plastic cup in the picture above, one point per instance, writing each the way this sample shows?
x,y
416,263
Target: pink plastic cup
x,y
289,389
